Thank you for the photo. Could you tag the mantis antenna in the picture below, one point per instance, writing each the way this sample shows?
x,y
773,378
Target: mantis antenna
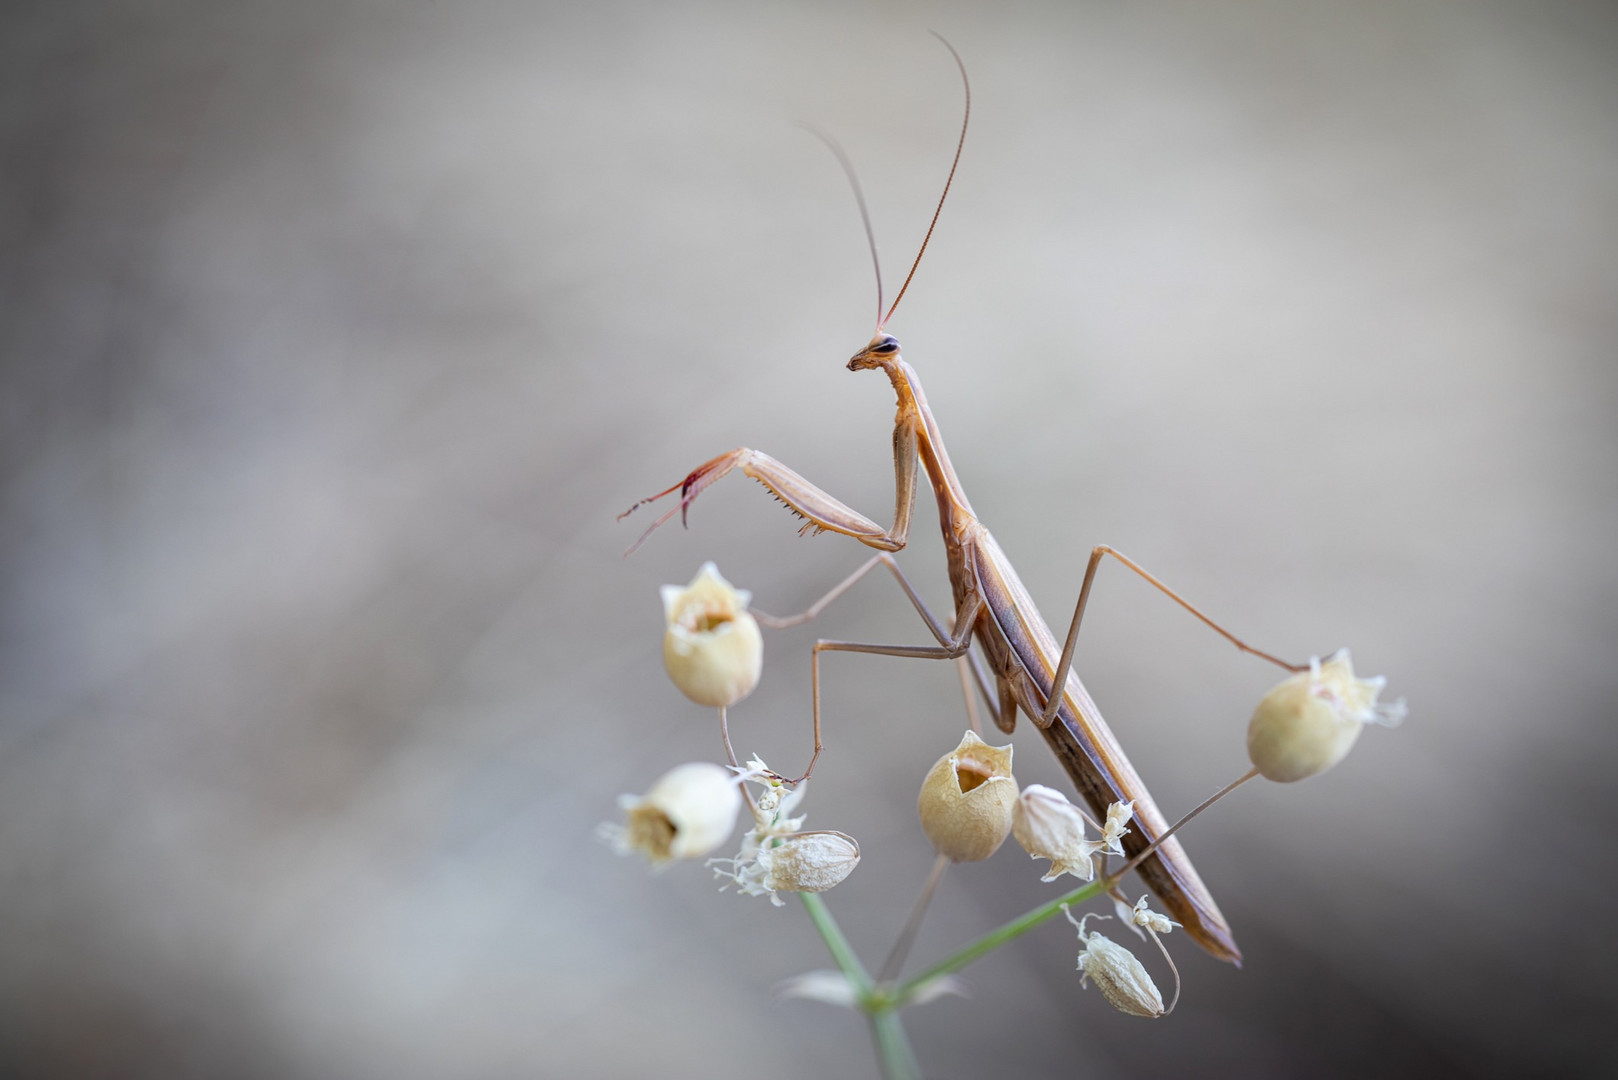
x,y
859,196
949,180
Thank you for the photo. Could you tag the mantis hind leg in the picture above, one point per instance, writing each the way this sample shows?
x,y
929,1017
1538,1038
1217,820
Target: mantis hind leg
x,y
1054,700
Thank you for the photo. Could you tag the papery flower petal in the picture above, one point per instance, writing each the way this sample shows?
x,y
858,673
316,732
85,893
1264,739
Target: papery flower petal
x,y
1049,826
831,987
935,988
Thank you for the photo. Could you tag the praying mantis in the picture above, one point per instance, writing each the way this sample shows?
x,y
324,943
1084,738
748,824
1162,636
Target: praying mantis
x,y
1027,670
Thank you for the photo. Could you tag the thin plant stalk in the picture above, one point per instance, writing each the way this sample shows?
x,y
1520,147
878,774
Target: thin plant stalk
x,y
842,953
724,735
1172,967
893,1050
901,948
1146,852
1027,921
995,938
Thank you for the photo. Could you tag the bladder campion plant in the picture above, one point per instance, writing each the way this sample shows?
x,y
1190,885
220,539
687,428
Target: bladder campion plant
x,y
970,800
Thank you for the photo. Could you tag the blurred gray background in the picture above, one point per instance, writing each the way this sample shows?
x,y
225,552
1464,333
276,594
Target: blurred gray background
x,y
336,334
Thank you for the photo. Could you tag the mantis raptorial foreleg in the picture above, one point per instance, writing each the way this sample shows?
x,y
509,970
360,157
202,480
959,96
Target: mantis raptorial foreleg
x,y
824,513
1053,702
821,512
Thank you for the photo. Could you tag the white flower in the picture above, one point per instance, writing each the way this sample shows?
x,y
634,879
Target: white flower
x,y
1048,826
775,855
774,801
967,798
1114,830
1121,978
1308,722
711,645
800,862
1144,916
1126,915
689,811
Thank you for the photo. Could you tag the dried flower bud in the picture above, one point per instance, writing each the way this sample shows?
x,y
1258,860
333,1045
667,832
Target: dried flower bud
x,y
1115,828
689,811
1048,826
1121,978
1308,722
775,856
967,800
712,647
806,862
1144,916
799,862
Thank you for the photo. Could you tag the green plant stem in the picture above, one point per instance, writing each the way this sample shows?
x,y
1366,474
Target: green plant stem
x,y
1024,923
893,1050
836,944
996,938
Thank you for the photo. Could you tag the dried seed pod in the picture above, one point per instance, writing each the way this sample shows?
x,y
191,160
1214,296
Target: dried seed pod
x,y
711,646
1307,723
808,861
688,813
1048,826
775,855
1121,978
968,799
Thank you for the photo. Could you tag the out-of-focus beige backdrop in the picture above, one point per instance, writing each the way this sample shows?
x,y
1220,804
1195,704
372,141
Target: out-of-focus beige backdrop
x,y
336,334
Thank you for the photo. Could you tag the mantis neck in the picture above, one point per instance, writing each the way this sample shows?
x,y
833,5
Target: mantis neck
x,y
954,511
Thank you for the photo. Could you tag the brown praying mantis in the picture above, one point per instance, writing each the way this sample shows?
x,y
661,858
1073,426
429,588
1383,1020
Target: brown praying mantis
x,y
1027,671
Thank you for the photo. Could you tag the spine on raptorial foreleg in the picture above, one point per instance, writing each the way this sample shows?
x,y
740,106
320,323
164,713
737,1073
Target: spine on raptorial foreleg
x,y
819,511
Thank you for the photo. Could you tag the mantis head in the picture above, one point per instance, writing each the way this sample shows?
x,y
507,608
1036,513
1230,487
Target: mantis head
x,y
882,351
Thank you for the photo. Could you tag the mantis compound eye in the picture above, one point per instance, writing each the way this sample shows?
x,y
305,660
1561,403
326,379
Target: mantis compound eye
x,y
889,344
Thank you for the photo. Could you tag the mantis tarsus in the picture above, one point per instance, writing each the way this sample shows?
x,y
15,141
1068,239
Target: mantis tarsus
x,y
992,607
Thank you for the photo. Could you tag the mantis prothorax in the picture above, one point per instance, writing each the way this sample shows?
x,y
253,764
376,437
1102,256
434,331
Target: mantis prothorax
x,y
1026,669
